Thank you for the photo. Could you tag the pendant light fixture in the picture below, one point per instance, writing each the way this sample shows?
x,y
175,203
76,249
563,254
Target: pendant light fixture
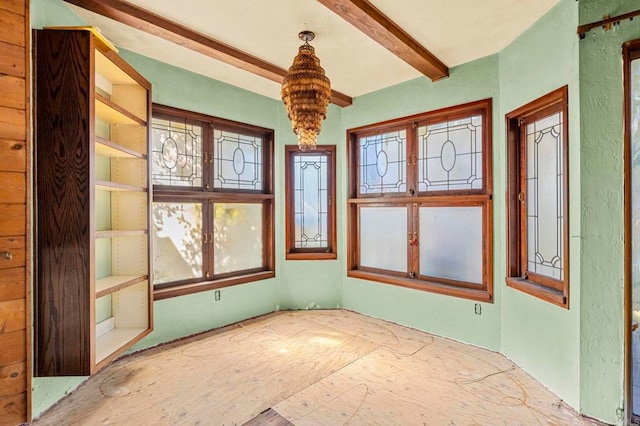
x,y
306,91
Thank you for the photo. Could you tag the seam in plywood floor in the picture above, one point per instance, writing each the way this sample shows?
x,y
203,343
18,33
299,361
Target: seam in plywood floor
x,y
317,368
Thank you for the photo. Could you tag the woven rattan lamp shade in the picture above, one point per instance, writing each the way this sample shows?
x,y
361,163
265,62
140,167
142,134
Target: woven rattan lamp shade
x,y
306,91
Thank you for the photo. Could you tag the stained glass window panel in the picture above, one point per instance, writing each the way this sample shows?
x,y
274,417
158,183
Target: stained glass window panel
x,y
545,216
237,237
383,163
311,200
451,243
177,241
237,161
450,155
176,153
383,238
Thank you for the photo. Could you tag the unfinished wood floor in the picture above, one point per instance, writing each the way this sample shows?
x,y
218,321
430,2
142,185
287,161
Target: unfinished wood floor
x,y
313,368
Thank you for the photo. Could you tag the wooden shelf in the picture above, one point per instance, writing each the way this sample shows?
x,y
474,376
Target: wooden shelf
x,y
114,113
108,285
107,221
105,185
114,233
107,148
114,340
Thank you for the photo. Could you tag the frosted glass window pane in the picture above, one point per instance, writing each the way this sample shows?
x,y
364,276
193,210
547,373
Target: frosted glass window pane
x,y
451,243
176,153
383,163
450,155
310,200
545,180
383,238
237,237
237,161
177,241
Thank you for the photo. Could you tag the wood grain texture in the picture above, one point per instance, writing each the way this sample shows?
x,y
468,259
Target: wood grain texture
x,y
13,379
13,218
13,90
12,60
13,156
16,6
12,315
158,26
268,418
12,27
313,368
13,189
375,24
13,409
13,124
13,284
64,256
17,247
14,348
15,302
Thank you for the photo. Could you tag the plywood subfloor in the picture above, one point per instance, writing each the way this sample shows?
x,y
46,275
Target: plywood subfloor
x,y
313,368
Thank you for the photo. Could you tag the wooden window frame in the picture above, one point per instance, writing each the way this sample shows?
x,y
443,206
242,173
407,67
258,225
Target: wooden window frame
x,y
292,252
413,200
210,195
537,285
630,52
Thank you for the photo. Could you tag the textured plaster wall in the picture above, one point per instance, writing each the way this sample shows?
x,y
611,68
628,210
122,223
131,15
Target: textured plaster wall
x,y
442,315
601,106
577,353
309,284
540,337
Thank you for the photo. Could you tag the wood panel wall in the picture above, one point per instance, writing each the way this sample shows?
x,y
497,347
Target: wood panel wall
x,y
15,336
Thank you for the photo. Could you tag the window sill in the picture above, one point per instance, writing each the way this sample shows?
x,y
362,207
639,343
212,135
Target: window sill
x,y
541,292
432,287
311,256
182,290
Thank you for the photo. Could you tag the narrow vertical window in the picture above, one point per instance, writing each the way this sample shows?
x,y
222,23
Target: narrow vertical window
x,y
310,198
538,230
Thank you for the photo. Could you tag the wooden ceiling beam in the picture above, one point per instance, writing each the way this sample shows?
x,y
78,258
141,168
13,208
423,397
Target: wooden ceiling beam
x,y
371,21
144,20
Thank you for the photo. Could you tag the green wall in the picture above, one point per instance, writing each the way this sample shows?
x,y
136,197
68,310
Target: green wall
x,y
442,315
540,337
577,353
601,103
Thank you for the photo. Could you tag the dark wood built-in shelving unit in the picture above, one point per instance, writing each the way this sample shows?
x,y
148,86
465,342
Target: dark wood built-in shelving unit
x,y
93,297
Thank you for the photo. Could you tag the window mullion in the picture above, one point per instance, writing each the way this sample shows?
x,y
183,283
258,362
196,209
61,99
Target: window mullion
x,y
413,242
523,198
412,159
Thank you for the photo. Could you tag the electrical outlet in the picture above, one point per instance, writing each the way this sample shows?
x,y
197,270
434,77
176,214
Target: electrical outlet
x,y
217,295
478,309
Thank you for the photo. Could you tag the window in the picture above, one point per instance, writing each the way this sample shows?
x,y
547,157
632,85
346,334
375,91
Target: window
x,y
420,202
213,202
538,244
311,202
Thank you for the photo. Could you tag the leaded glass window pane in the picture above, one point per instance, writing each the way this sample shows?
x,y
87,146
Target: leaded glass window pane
x,y
383,163
311,200
237,237
176,153
383,238
450,155
237,161
177,241
451,243
545,215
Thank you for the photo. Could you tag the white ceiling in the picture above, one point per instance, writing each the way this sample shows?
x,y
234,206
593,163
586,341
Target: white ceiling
x,y
456,31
